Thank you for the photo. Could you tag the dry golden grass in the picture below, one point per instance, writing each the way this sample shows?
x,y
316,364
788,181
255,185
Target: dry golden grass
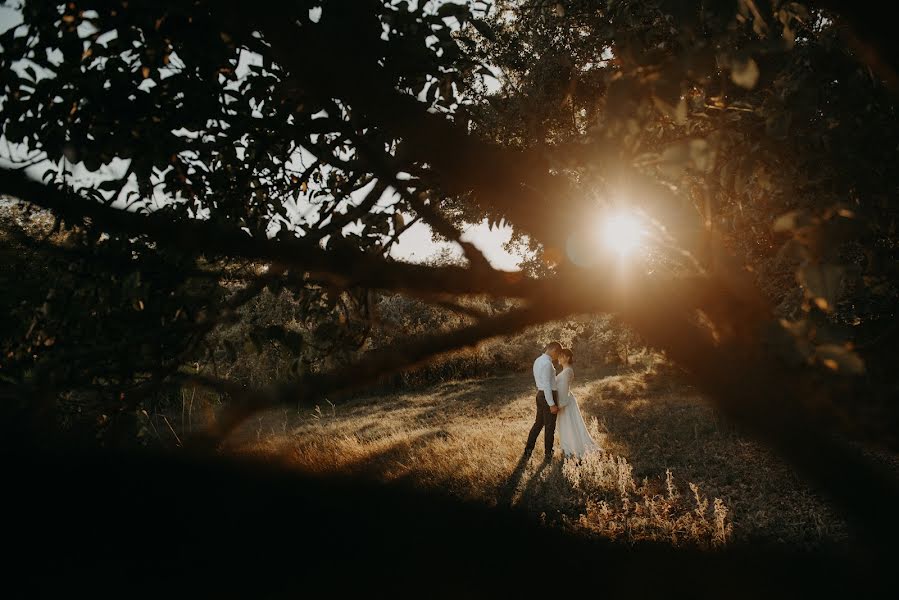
x,y
671,471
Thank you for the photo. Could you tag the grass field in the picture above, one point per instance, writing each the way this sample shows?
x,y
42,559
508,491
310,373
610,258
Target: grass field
x,y
671,471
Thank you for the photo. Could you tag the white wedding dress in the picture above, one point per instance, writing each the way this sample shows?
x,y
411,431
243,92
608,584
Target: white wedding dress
x,y
570,427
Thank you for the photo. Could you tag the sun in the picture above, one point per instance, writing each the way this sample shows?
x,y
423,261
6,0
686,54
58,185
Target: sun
x,y
622,234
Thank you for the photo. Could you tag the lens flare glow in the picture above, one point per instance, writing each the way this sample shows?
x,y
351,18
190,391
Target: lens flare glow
x,y
622,233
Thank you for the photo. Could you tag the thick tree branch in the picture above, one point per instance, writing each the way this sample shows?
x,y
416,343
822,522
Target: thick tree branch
x,y
339,266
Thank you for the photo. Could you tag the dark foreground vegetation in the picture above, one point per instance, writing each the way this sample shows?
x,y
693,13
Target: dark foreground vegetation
x,y
142,524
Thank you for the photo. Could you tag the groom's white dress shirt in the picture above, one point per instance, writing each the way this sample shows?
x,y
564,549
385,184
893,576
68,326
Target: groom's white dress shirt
x,y
545,377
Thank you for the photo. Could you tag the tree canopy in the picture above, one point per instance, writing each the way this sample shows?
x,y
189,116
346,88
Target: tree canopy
x,y
195,154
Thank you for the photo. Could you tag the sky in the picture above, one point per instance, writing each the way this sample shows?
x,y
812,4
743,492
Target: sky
x,y
414,245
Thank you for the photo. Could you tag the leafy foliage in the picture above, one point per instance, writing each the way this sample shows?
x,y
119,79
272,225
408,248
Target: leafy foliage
x,y
763,125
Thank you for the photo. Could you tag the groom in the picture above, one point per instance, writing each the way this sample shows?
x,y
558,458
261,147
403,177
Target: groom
x,y
545,378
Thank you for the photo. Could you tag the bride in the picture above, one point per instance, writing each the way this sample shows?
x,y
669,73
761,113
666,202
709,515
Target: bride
x,y
573,435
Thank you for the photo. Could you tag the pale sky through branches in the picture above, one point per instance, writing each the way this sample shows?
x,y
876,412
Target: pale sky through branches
x,y
414,245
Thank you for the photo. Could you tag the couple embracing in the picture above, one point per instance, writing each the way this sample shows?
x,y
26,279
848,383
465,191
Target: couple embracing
x,y
557,408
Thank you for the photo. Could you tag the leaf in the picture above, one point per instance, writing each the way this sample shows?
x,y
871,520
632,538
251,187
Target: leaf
x,y
451,9
431,94
840,358
821,284
792,252
702,155
484,29
674,160
789,36
677,112
110,185
799,329
789,221
789,342
696,153
680,112
745,73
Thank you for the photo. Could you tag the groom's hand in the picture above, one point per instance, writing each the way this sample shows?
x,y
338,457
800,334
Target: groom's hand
x,y
554,409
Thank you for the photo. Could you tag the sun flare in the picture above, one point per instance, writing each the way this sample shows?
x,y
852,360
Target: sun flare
x,y
623,234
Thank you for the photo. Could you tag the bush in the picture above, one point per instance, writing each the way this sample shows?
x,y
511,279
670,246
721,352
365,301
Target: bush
x,y
236,351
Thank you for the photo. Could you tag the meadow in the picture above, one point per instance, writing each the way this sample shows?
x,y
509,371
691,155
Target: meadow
x,y
671,470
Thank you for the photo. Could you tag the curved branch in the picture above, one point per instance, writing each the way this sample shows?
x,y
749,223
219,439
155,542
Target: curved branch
x,y
340,266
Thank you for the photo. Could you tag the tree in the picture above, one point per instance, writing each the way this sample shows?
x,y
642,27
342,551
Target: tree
x,y
180,140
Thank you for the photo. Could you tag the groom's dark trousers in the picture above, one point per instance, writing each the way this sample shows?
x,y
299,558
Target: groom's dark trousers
x,y
546,421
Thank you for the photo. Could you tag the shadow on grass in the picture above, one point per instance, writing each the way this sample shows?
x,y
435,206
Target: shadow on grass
x,y
252,528
507,492
545,471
